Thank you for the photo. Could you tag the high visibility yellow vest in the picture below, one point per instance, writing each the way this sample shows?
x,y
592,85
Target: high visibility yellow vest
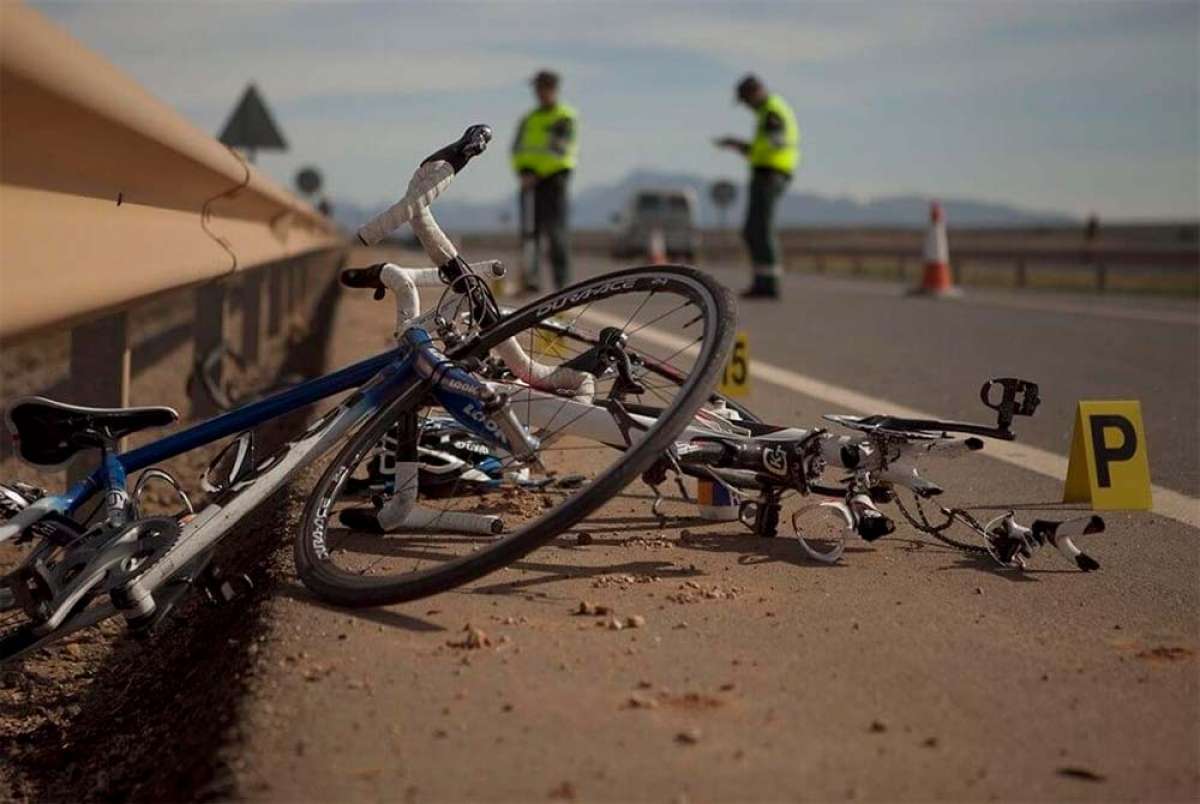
x,y
763,152
533,149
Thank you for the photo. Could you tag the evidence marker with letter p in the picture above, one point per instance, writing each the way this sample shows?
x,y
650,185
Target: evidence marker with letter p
x,y
1108,465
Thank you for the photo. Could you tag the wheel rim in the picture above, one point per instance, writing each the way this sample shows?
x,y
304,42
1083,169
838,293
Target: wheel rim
x,y
559,331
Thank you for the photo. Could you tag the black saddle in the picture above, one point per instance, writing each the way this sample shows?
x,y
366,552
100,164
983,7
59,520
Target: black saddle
x,y
48,433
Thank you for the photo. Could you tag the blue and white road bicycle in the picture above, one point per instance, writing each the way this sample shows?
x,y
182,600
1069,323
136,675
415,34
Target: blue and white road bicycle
x,y
573,400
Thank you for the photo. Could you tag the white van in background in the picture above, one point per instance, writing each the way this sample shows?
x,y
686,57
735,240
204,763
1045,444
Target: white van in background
x,y
672,211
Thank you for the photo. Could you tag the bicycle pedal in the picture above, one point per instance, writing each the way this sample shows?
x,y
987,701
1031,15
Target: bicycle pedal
x,y
219,588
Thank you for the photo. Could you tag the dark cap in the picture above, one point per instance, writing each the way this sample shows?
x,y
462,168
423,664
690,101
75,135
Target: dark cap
x,y
749,84
545,78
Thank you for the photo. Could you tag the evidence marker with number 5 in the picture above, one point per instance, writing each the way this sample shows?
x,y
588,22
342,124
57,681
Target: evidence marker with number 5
x,y
735,379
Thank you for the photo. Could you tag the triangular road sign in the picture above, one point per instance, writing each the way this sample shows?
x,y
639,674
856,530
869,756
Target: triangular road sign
x,y
251,125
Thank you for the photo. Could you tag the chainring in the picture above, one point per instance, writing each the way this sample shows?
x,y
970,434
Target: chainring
x,y
126,557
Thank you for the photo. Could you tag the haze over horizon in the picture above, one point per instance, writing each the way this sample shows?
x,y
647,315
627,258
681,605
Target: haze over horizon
x,y
1065,106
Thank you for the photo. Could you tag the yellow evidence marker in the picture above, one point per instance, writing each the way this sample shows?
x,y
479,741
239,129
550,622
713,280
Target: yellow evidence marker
x,y
735,379
1108,465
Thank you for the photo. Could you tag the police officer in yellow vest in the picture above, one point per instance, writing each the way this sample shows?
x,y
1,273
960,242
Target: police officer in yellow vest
x,y
543,156
773,154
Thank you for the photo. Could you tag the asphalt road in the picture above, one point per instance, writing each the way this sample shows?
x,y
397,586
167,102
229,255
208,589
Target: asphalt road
x,y
934,354
907,671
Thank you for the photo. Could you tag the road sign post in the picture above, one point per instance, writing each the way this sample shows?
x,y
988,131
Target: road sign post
x,y
251,126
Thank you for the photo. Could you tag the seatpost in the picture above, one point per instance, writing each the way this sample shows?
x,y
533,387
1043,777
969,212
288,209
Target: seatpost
x,y
116,497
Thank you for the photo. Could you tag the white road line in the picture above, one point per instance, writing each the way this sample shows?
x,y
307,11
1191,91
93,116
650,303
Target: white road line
x,y
1167,502
1102,311
1032,303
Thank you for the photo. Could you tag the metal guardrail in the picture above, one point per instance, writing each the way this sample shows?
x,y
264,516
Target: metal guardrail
x,y
1100,261
108,196
110,199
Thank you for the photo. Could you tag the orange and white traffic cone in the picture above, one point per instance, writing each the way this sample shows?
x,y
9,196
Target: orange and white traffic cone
x,y
656,247
937,280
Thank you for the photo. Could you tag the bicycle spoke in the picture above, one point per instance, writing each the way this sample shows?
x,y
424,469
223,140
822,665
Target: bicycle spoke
x,y
465,484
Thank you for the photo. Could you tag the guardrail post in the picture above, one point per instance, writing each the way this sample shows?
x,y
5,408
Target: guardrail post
x,y
251,315
100,371
208,333
293,290
274,300
301,283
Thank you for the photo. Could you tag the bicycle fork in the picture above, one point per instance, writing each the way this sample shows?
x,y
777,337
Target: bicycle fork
x,y
478,407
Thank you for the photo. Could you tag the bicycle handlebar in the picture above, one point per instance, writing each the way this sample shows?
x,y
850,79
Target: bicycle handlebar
x,y
371,277
431,177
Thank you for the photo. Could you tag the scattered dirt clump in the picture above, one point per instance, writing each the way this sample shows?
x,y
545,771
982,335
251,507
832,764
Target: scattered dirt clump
x,y
1165,654
692,592
473,639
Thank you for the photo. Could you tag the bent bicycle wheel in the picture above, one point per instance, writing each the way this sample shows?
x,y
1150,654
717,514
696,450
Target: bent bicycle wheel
x,y
664,335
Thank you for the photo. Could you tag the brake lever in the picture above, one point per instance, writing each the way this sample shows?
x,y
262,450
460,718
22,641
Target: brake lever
x,y
369,277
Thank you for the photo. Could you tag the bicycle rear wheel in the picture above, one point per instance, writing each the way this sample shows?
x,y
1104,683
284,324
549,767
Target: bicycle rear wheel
x,y
591,446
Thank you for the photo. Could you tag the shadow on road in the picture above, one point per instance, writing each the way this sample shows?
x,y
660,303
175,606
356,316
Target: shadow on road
x,y
384,617
555,573
146,719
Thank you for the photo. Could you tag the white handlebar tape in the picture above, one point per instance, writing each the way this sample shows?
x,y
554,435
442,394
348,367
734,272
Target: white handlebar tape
x,y
493,268
431,278
427,183
580,384
420,277
437,244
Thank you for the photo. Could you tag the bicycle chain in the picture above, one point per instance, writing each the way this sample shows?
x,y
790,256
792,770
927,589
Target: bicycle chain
x,y
938,531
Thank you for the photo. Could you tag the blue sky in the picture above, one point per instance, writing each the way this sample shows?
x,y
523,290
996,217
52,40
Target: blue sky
x,y
1071,105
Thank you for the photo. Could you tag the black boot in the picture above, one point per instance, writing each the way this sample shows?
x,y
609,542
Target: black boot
x,y
763,287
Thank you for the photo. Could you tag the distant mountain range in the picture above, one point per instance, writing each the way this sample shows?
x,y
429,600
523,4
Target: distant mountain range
x,y
593,208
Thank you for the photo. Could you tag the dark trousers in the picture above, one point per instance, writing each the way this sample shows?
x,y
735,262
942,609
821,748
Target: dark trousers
x,y
766,188
550,210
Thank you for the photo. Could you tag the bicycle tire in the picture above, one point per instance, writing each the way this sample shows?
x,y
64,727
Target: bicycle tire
x,y
337,586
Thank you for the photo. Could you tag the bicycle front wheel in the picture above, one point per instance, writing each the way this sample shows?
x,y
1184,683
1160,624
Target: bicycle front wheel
x,y
664,335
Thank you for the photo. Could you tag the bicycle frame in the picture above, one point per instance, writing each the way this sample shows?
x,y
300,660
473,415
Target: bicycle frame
x,y
111,476
415,367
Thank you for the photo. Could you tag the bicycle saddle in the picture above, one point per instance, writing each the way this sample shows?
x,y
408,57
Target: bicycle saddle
x,y
48,433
